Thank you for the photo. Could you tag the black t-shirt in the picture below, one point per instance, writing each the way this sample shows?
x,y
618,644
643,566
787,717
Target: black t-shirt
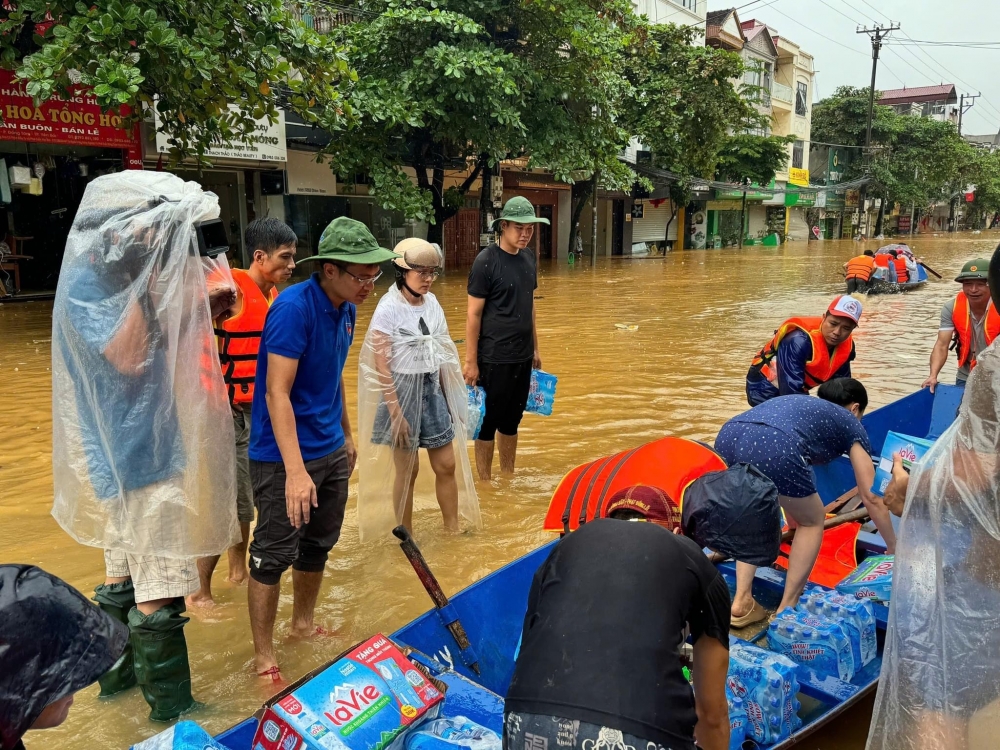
x,y
507,283
604,626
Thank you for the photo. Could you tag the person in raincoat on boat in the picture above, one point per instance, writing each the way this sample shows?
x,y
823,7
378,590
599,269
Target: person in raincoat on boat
x,y
53,643
142,458
940,681
411,395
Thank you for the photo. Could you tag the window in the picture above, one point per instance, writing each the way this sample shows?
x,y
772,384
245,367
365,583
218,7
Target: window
x,y
798,149
691,5
801,98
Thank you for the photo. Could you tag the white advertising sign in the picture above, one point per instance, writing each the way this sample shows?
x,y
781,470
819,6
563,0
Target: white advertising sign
x,y
267,143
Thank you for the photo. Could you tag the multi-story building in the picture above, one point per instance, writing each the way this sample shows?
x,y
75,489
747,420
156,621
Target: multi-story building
x,y
936,102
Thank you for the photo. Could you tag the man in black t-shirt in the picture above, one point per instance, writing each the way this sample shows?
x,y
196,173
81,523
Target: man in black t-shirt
x,y
600,651
501,341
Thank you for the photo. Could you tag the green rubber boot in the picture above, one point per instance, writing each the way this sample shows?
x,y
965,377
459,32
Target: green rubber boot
x,y
117,599
161,660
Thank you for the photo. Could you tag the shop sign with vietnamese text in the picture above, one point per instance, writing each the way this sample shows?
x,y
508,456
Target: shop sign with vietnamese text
x,y
266,144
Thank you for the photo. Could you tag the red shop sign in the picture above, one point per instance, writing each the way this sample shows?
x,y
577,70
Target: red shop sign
x,y
78,121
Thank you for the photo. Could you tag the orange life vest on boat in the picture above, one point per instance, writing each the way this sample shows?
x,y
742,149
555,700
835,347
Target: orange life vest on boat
x,y
883,260
821,365
902,272
962,320
239,338
860,267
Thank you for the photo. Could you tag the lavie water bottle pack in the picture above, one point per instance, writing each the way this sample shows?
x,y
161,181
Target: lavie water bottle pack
x,y
814,641
477,410
856,616
765,685
542,394
872,579
737,720
185,735
454,733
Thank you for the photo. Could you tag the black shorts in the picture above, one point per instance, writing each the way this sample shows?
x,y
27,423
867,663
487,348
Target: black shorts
x,y
507,386
857,285
276,544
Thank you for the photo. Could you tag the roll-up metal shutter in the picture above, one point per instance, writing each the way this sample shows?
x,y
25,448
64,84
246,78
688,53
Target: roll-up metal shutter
x,y
651,226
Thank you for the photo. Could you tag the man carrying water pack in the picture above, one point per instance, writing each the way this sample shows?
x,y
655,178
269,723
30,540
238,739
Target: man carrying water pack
x,y
599,664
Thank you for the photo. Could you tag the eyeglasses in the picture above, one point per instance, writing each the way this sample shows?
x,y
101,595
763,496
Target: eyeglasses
x,y
364,281
431,274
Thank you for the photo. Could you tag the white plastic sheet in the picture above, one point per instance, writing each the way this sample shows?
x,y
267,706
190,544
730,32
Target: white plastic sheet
x,y
408,357
142,457
940,680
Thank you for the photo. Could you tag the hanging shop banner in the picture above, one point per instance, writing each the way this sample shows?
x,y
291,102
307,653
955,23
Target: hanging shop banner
x,y
77,121
796,198
798,177
754,193
266,144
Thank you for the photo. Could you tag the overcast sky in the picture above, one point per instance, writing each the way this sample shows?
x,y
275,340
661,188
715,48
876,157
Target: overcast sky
x,y
826,29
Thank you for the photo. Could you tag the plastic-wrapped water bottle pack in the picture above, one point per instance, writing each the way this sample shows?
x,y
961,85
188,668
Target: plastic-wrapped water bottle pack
x,y
764,685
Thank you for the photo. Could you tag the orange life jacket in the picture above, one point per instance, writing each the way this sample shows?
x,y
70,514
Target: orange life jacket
x,y
962,319
902,272
820,367
882,260
860,267
239,338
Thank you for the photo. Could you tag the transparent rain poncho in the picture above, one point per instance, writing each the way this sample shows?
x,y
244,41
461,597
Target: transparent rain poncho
x,y
408,355
940,681
142,455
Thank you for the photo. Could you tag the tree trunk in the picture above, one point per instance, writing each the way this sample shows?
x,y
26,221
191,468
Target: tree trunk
x,y
593,228
878,220
486,200
435,230
673,215
581,191
743,217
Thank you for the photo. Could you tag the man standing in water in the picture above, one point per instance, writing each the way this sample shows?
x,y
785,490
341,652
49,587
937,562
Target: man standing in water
x,y
501,338
301,448
970,319
271,246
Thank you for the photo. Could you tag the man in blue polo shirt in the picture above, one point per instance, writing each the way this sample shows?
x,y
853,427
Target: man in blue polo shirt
x,y
301,448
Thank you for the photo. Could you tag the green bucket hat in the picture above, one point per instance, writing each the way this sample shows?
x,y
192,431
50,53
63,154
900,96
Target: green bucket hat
x,y
349,241
974,270
519,210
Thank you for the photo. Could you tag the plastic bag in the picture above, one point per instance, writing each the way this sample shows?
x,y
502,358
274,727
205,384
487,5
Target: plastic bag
x,y
453,733
185,735
142,457
941,663
542,395
411,394
477,410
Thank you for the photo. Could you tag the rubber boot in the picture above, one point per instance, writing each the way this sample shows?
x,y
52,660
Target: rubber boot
x,y
117,600
161,660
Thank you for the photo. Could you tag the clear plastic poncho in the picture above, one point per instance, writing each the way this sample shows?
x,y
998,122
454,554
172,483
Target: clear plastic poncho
x,y
143,456
940,681
408,358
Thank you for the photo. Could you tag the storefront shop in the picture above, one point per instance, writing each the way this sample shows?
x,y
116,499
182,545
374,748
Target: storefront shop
x,y
48,155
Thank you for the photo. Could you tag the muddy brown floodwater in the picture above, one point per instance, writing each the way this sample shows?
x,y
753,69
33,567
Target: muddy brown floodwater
x,y
701,315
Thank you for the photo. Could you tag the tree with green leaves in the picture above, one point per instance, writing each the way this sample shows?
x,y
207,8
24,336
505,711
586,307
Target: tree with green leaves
x,y
209,68
459,85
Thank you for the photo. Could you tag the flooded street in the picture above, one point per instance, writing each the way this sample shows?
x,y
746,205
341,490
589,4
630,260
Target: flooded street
x,y
701,315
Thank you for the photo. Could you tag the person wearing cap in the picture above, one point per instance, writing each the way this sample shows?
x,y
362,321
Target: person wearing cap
x,y
501,338
784,438
608,611
970,320
411,395
301,446
805,352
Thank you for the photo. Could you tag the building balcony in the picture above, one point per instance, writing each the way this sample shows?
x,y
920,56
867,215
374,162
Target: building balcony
x,y
782,93
322,19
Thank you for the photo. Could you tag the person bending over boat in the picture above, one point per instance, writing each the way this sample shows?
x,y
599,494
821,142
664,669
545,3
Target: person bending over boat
x,y
784,438
55,643
969,323
858,271
805,353
599,663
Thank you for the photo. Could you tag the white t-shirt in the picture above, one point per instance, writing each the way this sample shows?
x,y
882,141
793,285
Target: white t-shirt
x,y
412,351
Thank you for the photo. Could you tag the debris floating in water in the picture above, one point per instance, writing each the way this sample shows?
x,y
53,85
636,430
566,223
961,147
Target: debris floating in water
x,y
41,341
626,326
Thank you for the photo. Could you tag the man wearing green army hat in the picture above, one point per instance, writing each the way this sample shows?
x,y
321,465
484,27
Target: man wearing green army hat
x,y
501,337
970,320
301,448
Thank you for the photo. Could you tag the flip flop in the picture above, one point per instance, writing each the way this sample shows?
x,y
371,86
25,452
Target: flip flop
x,y
273,672
756,614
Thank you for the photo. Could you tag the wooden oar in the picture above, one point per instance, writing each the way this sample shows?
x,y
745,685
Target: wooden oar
x,y
830,523
447,614
928,268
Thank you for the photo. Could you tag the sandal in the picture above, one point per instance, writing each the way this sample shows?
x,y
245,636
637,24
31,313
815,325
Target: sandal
x,y
273,672
756,614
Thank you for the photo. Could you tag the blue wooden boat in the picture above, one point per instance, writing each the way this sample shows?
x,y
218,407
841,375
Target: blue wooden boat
x,y
492,609
880,286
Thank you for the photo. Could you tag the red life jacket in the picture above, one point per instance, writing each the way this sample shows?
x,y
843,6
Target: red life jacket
x,y
820,367
860,267
882,260
239,338
962,320
902,272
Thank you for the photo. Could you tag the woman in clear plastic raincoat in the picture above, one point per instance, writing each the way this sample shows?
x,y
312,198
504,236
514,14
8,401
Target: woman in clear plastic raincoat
x,y
940,681
412,395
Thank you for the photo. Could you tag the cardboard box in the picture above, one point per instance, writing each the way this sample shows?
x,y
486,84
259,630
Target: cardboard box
x,y
911,449
363,701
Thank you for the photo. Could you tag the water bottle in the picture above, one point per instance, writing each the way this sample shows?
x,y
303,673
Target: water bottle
x,y
856,616
813,641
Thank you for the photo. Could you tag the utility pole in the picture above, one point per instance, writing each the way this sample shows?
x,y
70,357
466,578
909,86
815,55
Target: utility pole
x,y
962,109
877,34
953,204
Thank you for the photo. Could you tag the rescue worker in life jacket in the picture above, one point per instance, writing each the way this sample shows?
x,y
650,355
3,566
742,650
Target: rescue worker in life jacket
x,y
271,245
969,323
805,353
858,271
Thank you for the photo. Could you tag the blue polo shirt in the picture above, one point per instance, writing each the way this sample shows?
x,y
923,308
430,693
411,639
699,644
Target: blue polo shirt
x,y
303,324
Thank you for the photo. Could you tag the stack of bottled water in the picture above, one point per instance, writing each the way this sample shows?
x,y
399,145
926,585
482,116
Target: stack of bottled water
x,y
764,685
856,616
814,641
737,720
